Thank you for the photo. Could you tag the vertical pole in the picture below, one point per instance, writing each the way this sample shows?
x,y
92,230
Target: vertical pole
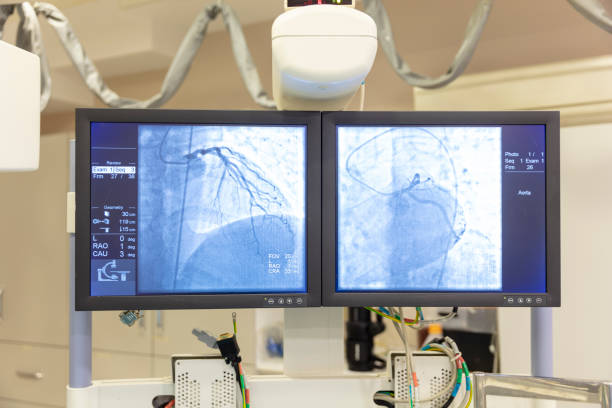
x,y
541,342
479,384
606,398
80,322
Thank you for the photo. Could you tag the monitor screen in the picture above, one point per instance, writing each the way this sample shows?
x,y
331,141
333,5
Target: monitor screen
x,y
225,209
441,208
198,209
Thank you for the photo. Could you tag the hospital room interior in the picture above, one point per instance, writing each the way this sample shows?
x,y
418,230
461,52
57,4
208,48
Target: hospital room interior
x,y
274,203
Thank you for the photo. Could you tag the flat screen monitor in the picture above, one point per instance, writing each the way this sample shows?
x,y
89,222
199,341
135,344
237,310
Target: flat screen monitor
x,y
197,209
441,209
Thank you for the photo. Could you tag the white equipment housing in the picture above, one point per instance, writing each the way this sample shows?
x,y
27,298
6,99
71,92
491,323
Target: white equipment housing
x,y
206,381
19,109
287,6
433,371
320,56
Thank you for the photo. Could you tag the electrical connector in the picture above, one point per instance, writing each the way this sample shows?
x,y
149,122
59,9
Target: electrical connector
x,y
129,317
228,345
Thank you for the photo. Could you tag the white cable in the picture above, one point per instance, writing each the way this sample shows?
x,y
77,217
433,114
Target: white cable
x,y
451,384
449,350
422,323
455,348
404,336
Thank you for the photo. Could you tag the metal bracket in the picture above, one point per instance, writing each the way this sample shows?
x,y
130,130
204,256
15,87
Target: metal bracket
x,y
556,389
159,319
38,375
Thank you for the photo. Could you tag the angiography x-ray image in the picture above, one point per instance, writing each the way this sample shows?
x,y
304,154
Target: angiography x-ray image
x,y
419,208
221,209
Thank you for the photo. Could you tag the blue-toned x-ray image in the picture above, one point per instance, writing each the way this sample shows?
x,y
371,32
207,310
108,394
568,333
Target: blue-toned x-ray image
x,y
419,209
221,209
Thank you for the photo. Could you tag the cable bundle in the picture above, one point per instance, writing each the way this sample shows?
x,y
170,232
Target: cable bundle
x,y
228,345
445,345
449,347
246,397
394,314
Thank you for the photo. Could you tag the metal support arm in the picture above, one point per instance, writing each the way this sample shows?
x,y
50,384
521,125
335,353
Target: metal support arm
x,y
556,389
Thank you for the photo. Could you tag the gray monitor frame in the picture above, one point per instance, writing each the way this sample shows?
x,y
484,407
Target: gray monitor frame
x,y
84,300
331,297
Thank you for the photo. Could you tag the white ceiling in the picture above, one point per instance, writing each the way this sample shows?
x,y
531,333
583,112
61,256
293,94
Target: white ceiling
x,y
126,37
146,31
129,36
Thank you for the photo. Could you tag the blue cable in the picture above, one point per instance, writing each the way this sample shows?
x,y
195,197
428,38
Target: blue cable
x,y
456,389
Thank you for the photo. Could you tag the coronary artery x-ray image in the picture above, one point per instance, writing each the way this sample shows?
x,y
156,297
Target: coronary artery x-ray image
x,y
419,208
221,209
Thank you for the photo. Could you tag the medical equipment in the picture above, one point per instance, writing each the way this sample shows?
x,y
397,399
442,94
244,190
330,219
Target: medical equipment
x,y
203,381
210,381
441,209
419,209
197,209
437,376
593,10
306,354
302,3
320,56
19,109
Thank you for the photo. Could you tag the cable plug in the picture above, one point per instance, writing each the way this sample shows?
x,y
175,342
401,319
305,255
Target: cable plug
x,y
129,317
228,345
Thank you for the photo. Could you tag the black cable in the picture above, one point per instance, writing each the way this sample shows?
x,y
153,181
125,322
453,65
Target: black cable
x,y
162,401
237,370
381,402
449,402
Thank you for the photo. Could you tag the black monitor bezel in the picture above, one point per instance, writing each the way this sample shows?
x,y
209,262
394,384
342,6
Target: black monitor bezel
x,y
552,297
84,117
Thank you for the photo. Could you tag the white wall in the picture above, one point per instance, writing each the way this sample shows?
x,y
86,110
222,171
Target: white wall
x,y
581,326
586,244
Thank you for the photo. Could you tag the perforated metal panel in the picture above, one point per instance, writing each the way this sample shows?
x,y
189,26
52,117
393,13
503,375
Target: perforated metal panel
x,y
224,390
204,383
437,384
402,390
433,373
187,391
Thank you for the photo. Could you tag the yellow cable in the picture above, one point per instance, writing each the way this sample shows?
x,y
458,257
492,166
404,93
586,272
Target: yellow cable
x,y
382,314
470,400
386,316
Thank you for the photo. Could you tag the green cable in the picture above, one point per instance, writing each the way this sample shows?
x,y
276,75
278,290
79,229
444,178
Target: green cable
x,y
465,369
394,318
242,389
